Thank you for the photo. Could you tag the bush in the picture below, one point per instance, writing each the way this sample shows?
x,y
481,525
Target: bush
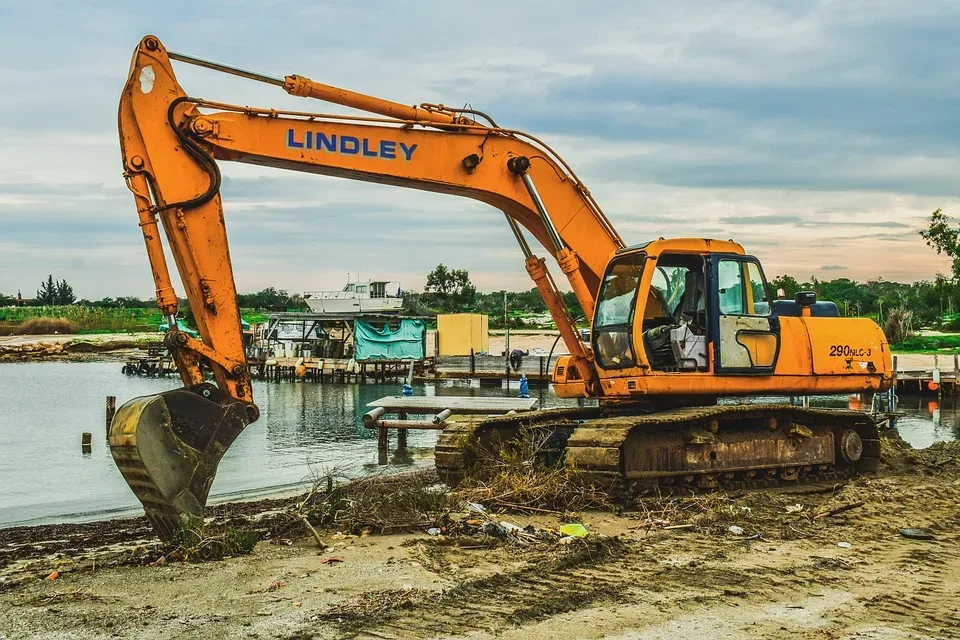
x,y
45,326
898,326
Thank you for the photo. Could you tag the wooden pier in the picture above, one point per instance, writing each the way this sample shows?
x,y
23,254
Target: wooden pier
x,y
342,370
441,408
940,379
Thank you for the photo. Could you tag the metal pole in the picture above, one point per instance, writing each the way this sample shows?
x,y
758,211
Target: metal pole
x,y
225,68
506,326
542,210
518,234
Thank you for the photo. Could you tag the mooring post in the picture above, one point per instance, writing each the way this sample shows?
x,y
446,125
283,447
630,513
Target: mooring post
x,y
401,433
86,442
473,363
937,378
956,372
382,444
111,409
892,392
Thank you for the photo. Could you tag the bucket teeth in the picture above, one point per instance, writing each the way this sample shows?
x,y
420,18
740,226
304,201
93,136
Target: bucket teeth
x,y
168,446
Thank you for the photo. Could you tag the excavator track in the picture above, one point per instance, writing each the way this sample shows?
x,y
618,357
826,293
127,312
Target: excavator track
x,y
461,445
694,448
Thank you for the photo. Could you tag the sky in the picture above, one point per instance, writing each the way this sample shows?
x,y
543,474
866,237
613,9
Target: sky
x,y
820,135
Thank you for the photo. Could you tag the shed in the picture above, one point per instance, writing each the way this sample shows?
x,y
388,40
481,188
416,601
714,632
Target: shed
x,y
458,333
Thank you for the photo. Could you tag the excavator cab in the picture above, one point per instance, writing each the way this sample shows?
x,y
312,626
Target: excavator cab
x,y
666,308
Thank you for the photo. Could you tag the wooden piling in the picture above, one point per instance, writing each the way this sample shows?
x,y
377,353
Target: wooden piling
x,y
111,410
382,444
401,433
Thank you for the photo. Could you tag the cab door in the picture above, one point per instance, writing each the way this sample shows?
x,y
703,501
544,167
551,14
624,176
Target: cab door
x,y
746,337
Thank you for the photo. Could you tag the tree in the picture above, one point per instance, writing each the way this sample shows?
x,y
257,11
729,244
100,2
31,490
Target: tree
x,y
53,292
450,289
789,285
7,301
65,293
269,299
47,293
944,238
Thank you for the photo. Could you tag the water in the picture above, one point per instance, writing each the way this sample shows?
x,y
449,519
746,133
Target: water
x,y
305,428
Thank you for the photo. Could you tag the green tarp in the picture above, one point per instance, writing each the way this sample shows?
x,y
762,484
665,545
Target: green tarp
x,y
408,342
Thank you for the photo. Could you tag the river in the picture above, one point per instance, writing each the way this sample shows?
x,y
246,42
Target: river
x,y
304,429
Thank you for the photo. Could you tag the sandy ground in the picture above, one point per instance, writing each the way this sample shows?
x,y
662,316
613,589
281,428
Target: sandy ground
x,y
18,341
100,346
671,568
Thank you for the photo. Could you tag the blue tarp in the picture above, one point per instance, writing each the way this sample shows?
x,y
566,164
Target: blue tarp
x,y
408,342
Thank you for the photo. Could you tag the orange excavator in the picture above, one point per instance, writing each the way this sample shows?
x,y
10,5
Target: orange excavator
x,y
681,328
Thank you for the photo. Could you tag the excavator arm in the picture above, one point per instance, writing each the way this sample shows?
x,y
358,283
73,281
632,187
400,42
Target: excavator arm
x,y
168,446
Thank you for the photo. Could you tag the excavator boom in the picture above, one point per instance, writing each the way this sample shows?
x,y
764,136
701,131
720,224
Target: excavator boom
x,y
170,146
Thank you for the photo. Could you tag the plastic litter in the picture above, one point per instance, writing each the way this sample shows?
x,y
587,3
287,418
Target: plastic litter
x,y
574,530
509,527
476,508
844,545
434,531
735,530
565,540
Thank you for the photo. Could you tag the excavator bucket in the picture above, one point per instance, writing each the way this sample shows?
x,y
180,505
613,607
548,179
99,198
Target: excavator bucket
x,y
168,446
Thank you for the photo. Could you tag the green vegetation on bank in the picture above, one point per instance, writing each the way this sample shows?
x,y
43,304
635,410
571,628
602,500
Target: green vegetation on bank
x,y
946,344
84,319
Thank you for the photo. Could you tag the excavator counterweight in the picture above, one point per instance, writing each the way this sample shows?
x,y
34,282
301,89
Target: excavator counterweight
x,y
676,324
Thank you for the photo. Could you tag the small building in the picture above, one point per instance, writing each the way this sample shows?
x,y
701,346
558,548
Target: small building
x,y
459,333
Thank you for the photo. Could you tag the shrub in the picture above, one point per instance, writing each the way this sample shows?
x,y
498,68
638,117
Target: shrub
x,y
44,326
898,326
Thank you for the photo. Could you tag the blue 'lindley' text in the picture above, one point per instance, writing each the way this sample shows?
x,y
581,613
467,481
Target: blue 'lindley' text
x,y
350,145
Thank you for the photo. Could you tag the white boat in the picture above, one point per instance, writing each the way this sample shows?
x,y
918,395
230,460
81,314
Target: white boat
x,y
373,296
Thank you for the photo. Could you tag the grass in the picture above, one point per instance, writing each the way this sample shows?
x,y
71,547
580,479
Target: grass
x,y
86,320
45,326
928,344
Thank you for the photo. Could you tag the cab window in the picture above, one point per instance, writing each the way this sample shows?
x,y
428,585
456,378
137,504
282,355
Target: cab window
x,y
612,325
741,288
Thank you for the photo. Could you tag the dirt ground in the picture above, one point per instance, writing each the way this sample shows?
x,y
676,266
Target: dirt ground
x,y
666,568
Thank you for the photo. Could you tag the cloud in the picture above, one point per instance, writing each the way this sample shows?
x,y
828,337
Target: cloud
x,y
832,267
809,131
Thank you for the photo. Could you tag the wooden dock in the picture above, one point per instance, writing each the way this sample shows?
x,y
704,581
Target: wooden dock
x,y
940,379
442,407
